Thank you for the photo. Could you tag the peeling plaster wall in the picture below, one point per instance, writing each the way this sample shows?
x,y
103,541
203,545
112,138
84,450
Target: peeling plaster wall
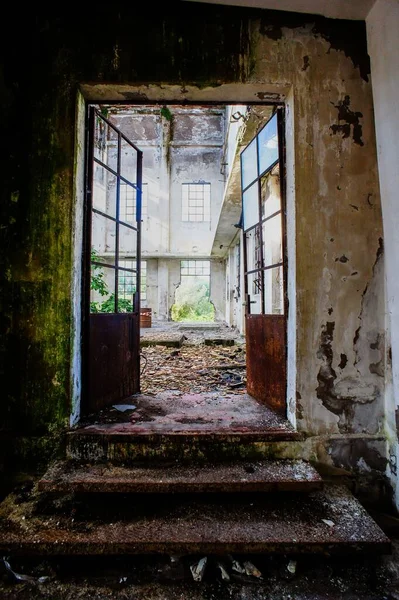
x,y
382,32
197,49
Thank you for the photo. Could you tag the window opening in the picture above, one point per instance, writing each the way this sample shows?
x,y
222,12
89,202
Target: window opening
x,y
196,202
192,298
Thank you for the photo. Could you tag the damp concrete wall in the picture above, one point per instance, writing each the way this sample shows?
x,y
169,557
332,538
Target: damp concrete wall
x,y
193,52
382,28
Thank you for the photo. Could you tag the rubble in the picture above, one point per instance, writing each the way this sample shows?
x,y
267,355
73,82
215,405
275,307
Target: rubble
x,y
193,368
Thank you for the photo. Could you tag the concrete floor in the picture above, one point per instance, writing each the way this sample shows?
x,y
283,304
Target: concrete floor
x,y
172,412
188,390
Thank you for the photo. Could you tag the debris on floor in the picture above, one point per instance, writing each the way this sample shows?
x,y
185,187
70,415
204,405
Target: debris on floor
x,y
14,577
195,369
198,569
124,407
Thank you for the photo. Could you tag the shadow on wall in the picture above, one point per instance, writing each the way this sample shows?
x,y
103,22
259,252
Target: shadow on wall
x,y
192,301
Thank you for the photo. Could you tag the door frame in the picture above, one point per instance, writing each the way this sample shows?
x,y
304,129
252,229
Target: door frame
x,y
231,93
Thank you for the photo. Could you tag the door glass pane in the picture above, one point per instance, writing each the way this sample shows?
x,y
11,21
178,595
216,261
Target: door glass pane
x,y
126,285
102,290
105,143
128,161
104,190
268,145
103,239
250,202
249,171
127,242
255,293
272,241
270,193
274,291
254,259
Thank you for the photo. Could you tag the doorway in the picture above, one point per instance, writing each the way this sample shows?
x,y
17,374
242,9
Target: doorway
x,y
197,211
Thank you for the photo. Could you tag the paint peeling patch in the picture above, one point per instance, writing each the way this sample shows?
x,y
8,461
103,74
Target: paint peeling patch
x,y
354,206
378,368
347,121
340,397
299,407
358,455
269,96
306,63
342,259
135,96
343,362
343,35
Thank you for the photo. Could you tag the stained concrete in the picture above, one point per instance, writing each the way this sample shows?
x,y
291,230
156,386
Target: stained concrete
x,y
174,412
328,522
266,476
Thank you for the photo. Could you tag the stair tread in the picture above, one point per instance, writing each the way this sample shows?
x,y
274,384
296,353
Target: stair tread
x,y
295,475
329,521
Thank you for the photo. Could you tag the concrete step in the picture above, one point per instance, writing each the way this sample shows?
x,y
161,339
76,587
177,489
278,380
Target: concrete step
x,y
127,444
331,521
69,476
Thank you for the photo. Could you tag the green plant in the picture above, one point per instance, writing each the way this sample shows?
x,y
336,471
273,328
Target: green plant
x,y
192,302
97,284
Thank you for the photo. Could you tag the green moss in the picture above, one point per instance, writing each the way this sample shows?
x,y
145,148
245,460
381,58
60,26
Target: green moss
x,y
166,114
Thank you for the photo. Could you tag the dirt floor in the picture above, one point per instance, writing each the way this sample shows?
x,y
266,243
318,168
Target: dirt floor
x,y
171,578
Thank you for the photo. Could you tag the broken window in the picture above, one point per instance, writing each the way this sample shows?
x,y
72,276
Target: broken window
x,y
196,202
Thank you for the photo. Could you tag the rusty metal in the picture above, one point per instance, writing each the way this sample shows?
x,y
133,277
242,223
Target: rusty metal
x,y
266,360
113,368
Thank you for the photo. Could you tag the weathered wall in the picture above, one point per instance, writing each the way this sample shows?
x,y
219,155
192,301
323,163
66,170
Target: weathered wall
x,y
218,288
339,318
382,31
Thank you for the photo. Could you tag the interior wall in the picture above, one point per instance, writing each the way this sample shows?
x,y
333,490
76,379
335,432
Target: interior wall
x,y
191,55
382,36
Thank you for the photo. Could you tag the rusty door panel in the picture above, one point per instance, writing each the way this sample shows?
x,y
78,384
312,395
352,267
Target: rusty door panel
x,y
266,360
114,358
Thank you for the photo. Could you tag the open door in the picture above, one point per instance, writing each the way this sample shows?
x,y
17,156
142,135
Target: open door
x,y
262,183
113,249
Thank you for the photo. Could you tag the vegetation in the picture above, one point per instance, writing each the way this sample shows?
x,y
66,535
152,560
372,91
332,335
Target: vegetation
x,y
97,284
192,301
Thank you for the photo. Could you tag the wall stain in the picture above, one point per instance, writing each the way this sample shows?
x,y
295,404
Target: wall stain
x,y
350,120
306,63
343,35
299,406
378,368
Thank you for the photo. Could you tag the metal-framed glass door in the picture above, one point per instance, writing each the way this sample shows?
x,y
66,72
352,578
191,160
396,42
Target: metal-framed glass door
x,y
113,255
262,186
